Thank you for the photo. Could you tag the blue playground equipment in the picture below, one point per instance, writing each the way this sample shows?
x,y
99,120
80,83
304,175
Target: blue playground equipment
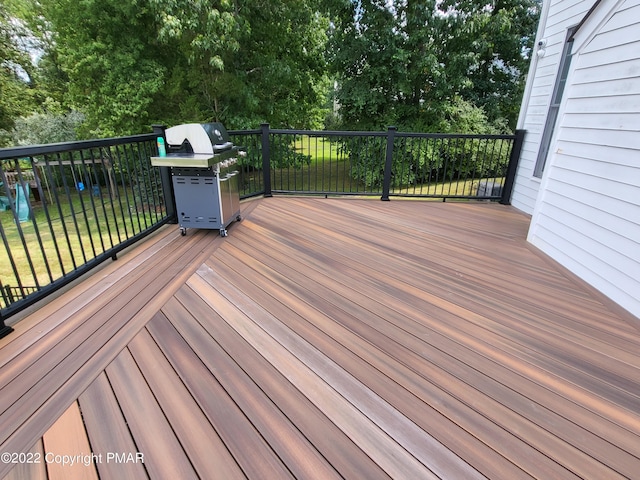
x,y
4,200
22,202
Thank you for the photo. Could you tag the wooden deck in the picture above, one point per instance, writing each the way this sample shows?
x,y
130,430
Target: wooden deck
x,y
327,338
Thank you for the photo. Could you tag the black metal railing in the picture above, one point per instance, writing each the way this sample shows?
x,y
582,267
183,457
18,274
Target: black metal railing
x,y
385,164
67,207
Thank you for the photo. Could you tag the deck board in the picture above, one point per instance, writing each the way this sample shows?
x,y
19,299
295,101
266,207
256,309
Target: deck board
x,y
51,314
108,431
330,441
339,327
279,433
32,470
67,440
323,295
322,329
333,338
207,453
250,450
39,384
315,382
155,438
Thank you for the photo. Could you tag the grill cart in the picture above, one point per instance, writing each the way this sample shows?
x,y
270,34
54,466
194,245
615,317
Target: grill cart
x,y
205,182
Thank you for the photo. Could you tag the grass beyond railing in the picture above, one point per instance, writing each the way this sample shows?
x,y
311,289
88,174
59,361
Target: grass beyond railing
x,y
378,163
101,231
68,207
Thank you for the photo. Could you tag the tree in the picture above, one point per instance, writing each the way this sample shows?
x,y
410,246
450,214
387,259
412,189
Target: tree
x,y
500,34
16,73
368,60
41,128
406,62
130,63
246,62
281,65
115,74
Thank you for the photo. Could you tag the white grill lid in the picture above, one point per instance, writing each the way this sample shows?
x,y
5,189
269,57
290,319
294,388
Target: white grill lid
x,y
202,139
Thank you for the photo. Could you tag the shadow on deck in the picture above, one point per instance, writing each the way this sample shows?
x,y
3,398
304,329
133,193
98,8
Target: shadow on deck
x,y
327,338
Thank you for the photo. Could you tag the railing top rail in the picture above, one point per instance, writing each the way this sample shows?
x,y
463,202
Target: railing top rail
x,y
327,133
358,133
244,132
34,150
455,135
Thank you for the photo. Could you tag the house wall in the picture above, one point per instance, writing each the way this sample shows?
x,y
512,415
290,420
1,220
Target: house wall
x,y
557,17
587,212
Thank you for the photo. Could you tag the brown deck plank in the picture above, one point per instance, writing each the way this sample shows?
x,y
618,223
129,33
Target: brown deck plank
x,y
351,338
319,328
35,468
67,439
329,440
164,456
75,359
377,436
325,303
472,297
293,243
207,453
108,431
295,451
274,283
250,450
71,330
587,357
52,313
452,251
71,319
454,255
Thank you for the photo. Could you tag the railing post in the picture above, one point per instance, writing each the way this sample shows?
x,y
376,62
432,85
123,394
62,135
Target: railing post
x,y
510,178
388,163
266,160
4,329
165,178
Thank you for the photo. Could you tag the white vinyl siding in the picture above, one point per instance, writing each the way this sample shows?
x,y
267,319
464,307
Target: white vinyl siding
x,y
562,14
587,215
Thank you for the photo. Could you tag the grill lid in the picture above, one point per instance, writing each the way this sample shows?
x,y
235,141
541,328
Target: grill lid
x,y
204,138
197,145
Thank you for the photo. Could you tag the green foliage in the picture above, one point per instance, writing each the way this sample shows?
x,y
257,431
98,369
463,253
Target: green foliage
x,y
16,70
282,154
403,63
427,161
41,128
500,34
283,70
461,116
126,64
114,74
443,159
429,66
285,155
366,159
129,63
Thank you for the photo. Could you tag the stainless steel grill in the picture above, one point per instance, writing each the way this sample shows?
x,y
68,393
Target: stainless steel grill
x,y
202,159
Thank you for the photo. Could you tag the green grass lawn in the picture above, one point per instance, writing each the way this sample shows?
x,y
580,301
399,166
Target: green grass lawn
x,y
47,248
329,170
